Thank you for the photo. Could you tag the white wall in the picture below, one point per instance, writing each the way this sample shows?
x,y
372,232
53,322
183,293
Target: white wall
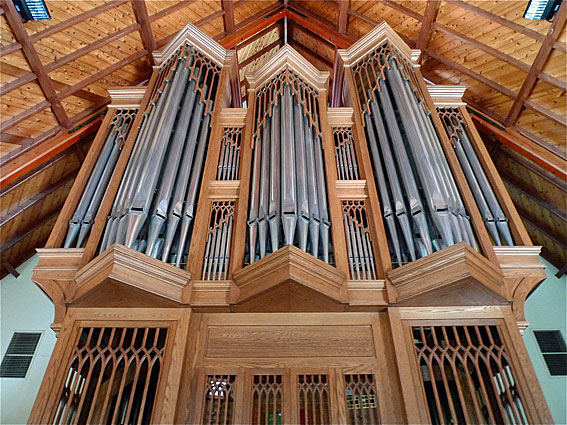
x,y
546,309
24,307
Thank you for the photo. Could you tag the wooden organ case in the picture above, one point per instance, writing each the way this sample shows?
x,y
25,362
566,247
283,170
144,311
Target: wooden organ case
x,y
288,262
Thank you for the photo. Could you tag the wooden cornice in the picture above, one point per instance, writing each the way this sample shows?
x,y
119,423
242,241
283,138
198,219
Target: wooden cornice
x,y
444,95
288,264
121,265
198,39
380,34
287,56
126,97
457,275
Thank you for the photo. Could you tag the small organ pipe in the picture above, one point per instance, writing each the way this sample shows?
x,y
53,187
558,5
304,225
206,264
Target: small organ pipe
x,y
264,190
325,226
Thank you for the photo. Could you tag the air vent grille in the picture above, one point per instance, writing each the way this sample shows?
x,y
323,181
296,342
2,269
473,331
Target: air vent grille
x,y
554,350
19,354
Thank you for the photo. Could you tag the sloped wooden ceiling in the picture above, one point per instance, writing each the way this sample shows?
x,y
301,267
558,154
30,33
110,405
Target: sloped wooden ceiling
x,y
54,75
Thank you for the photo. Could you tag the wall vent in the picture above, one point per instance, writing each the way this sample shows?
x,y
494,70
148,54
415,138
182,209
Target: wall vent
x,y
19,355
552,346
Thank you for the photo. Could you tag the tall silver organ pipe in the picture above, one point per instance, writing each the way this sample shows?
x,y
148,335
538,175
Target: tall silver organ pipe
x,y
421,204
494,218
288,195
155,205
83,218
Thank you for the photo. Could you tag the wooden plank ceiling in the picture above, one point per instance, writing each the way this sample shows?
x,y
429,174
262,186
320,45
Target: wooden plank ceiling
x,y
54,75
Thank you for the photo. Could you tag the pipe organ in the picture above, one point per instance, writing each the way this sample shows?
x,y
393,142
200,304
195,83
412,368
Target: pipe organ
x,y
288,262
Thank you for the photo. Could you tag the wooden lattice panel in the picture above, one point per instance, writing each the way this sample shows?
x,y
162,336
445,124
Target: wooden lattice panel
x,y
113,376
314,407
345,154
267,392
359,242
217,250
229,157
218,405
467,375
361,399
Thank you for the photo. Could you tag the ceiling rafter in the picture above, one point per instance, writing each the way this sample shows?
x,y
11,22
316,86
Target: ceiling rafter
x,y
37,198
228,18
431,10
538,64
145,28
36,224
261,52
317,26
53,29
21,35
306,51
267,18
343,16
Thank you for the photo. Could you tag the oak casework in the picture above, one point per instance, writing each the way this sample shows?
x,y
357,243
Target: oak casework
x,y
358,331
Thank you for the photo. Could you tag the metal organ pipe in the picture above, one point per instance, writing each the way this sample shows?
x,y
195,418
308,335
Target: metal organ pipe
x,y
411,170
162,178
288,189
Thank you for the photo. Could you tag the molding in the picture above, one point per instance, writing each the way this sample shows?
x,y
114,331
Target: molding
x,y
340,117
352,189
457,275
523,271
289,265
288,57
451,313
126,97
367,294
55,274
224,189
447,95
233,117
121,265
198,39
210,294
522,326
379,35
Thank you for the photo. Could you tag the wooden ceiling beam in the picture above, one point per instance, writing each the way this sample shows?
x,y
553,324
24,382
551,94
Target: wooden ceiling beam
x,y
464,70
21,164
171,9
431,10
343,16
70,22
520,149
37,198
102,73
372,22
511,182
267,11
10,48
64,60
315,25
199,23
261,53
228,17
403,9
537,223
21,35
268,17
257,36
11,269
538,64
36,224
145,28
25,78
305,51
11,122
